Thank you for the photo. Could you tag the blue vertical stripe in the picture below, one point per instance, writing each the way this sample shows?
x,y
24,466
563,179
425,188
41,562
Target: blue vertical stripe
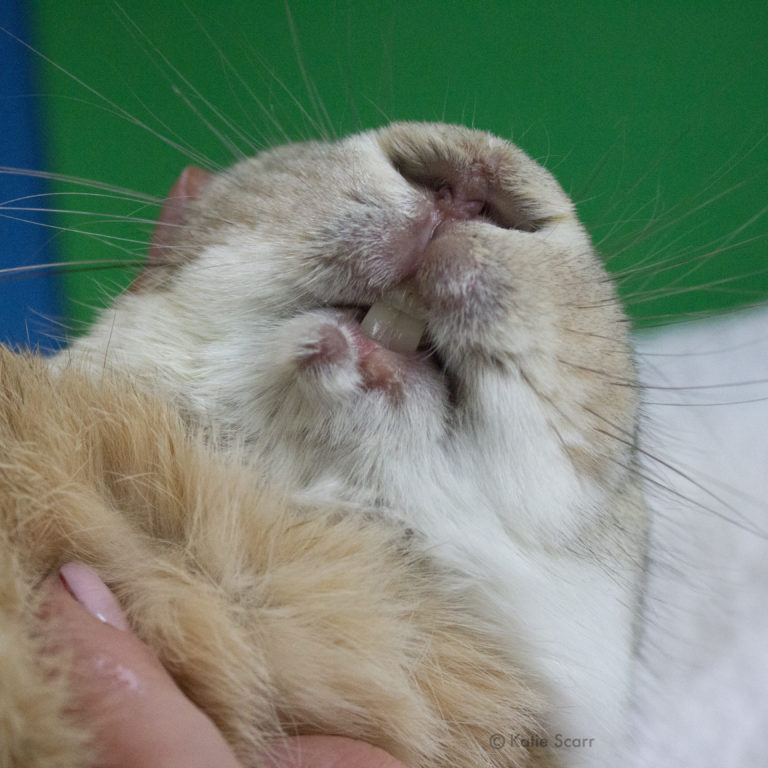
x,y
29,303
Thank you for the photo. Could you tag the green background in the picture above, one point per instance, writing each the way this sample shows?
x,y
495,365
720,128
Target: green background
x,y
652,115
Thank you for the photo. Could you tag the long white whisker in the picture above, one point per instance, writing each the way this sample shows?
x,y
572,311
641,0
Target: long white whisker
x,y
243,83
80,181
317,104
139,35
119,111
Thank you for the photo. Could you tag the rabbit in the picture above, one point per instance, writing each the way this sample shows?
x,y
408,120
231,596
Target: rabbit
x,y
412,321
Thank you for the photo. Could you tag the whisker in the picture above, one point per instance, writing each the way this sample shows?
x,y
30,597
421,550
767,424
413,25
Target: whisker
x,y
80,181
139,35
99,235
327,131
675,261
119,111
694,387
107,218
7,204
642,297
243,83
709,405
72,265
621,435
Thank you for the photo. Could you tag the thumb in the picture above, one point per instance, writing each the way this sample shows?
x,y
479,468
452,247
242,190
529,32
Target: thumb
x,y
137,714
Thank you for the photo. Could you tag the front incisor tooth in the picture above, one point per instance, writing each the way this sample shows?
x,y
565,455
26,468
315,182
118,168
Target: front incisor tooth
x,y
403,299
392,328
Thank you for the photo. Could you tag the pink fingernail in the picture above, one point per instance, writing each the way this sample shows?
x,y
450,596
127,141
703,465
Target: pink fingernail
x,y
91,592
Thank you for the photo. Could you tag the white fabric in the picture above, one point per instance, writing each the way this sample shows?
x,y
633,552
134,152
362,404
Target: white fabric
x,y
705,651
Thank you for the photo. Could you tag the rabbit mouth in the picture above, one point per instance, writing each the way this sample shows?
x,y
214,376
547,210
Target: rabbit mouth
x,y
397,320
393,348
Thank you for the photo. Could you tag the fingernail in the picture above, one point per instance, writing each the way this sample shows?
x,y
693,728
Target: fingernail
x,y
91,592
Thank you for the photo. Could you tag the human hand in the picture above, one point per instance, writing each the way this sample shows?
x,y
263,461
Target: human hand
x,y
140,717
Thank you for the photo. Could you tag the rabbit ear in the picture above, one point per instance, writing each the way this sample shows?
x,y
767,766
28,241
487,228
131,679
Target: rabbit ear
x,y
185,189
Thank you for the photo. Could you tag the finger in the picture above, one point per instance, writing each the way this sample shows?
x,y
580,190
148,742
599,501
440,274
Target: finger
x,y
138,715
330,752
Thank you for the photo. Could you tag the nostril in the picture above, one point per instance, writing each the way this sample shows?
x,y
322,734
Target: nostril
x,y
461,209
465,191
473,208
455,205
444,192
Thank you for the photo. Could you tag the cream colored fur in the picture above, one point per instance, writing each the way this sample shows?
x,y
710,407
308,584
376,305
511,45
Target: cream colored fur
x,y
274,619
